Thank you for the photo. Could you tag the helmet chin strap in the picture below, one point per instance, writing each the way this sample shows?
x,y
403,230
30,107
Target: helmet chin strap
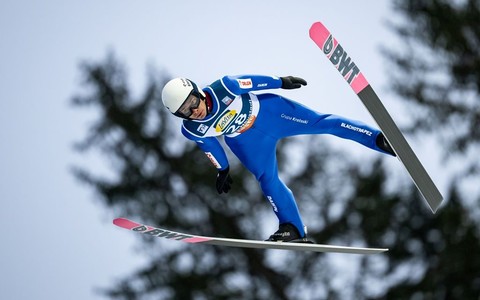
x,y
206,106
207,100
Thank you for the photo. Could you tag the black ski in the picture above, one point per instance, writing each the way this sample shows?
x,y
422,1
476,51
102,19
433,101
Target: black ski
x,y
196,239
351,73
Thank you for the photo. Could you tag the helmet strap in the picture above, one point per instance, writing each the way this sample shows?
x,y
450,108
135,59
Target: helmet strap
x,y
208,102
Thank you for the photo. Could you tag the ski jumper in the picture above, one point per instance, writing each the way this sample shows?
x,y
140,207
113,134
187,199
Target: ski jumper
x,y
252,124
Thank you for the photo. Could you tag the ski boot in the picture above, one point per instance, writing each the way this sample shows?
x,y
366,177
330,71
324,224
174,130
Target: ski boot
x,y
383,144
288,233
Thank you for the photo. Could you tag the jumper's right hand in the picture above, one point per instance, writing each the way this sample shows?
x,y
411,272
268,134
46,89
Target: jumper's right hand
x,y
224,181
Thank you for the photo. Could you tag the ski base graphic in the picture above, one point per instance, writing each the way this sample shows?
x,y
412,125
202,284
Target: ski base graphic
x,y
355,78
195,239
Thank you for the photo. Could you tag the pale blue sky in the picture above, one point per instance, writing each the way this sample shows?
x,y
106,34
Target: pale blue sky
x,y
58,242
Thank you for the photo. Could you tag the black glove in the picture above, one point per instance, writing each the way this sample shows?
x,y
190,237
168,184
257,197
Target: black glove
x,y
291,82
224,181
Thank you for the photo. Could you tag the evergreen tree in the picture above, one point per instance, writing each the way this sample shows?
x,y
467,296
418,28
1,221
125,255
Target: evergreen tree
x,y
438,71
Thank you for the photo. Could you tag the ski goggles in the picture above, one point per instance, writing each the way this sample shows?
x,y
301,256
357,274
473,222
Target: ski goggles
x,y
191,102
186,109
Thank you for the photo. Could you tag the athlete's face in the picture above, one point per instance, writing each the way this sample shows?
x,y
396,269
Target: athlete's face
x,y
193,108
200,112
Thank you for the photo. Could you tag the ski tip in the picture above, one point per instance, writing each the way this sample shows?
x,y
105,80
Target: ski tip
x,y
125,223
317,26
434,209
118,221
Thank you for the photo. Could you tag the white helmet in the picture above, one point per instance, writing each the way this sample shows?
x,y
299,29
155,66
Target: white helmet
x,y
176,91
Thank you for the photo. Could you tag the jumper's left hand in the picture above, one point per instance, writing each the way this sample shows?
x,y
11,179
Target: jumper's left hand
x,y
291,82
224,181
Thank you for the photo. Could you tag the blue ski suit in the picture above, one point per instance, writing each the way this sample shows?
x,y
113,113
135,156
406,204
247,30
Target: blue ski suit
x,y
252,124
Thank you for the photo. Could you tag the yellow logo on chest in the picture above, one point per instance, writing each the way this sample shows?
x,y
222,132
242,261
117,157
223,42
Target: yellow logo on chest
x,y
225,120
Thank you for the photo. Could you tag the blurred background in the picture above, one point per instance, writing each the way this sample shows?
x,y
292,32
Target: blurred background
x,y
85,139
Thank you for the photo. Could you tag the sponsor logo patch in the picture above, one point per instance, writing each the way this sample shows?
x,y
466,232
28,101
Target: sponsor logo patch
x,y
245,83
161,233
225,120
246,126
340,59
227,100
275,209
213,160
202,128
357,129
294,119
